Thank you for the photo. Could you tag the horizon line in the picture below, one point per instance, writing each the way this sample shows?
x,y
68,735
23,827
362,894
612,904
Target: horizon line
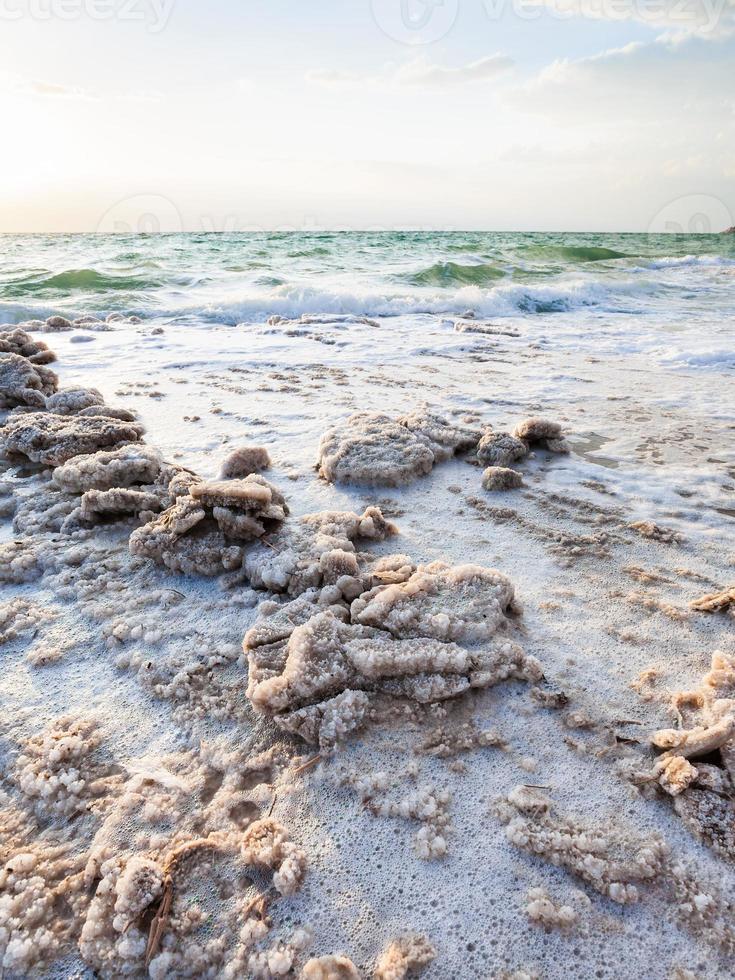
x,y
369,231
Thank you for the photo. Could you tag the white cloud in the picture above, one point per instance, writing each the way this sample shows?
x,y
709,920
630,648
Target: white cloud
x,y
675,83
420,73
51,90
42,89
325,76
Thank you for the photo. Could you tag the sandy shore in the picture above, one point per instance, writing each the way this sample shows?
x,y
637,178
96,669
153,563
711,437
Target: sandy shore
x,y
135,765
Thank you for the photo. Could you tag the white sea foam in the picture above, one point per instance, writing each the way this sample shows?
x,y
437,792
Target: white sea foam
x,y
254,304
686,261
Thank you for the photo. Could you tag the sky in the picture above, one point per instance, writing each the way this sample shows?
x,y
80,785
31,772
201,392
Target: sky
x,y
171,115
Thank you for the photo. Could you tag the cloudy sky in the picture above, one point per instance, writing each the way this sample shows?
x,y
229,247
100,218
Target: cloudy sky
x,y
239,114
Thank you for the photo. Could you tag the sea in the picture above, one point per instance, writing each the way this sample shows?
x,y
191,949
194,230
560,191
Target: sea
x,y
674,293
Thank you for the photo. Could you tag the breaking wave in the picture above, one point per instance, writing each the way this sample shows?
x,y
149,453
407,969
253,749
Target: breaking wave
x,y
505,300
684,261
455,274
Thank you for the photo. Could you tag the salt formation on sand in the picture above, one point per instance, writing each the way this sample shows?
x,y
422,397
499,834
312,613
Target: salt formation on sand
x,y
14,340
543,433
20,615
330,968
124,467
696,767
97,505
543,910
715,601
58,324
18,562
23,383
614,864
434,636
244,461
55,439
310,319
141,913
117,859
71,401
316,550
377,450
55,771
267,843
500,449
203,532
649,529
501,478
404,956
488,329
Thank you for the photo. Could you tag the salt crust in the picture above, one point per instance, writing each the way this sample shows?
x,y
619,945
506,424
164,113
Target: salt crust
x,y
406,955
500,448
614,864
330,968
618,863
54,439
316,550
63,423
15,340
20,615
95,852
386,795
696,764
124,467
543,433
70,401
267,843
94,488
715,601
24,383
138,874
376,450
544,911
500,478
244,461
649,529
204,531
313,662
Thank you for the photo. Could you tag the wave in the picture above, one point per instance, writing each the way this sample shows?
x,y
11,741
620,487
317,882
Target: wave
x,y
574,253
684,261
308,253
291,301
466,246
455,274
718,359
82,280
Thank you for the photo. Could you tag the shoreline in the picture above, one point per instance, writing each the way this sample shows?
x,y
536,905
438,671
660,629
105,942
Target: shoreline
x,y
601,602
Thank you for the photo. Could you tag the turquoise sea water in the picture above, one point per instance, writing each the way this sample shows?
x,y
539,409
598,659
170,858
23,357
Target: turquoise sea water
x,y
233,278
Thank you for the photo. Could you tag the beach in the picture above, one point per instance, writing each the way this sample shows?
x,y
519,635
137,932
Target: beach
x,y
491,783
